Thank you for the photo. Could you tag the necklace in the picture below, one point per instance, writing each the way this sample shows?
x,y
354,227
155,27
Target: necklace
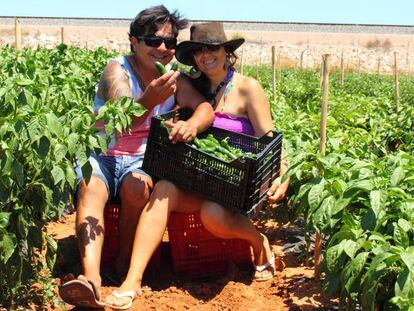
x,y
225,82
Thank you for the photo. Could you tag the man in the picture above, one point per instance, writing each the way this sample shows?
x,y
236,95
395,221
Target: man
x,y
118,173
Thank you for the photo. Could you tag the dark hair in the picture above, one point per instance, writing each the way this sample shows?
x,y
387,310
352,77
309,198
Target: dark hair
x,y
202,84
146,21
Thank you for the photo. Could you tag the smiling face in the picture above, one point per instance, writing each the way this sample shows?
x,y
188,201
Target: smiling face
x,y
211,62
147,55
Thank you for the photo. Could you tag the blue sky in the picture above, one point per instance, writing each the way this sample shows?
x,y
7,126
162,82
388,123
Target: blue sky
x,y
397,12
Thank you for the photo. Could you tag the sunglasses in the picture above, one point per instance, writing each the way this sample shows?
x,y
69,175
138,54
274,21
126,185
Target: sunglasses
x,y
205,48
155,41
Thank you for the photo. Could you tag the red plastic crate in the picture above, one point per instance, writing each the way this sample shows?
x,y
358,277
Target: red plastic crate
x,y
197,253
111,242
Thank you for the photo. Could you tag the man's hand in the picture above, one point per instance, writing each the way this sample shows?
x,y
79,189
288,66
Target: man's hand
x,y
182,131
159,90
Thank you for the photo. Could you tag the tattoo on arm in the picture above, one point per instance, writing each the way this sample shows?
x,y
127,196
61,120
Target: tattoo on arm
x,y
114,83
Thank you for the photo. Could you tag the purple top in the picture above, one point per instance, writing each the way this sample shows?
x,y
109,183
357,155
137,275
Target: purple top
x,y
237,125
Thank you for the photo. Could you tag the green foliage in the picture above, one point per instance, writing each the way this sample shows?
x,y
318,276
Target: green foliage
x,y
46,119
360,195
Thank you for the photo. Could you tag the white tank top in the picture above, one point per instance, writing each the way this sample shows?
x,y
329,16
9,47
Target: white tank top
x,y
135,141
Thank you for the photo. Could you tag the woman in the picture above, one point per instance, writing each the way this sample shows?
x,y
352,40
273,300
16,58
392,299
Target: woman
x,y
240,105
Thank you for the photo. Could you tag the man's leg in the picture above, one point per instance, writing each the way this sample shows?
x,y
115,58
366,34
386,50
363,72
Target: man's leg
x,y
90,226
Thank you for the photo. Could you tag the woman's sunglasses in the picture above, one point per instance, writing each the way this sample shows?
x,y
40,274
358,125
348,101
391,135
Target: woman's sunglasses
x,y
205,48
156,41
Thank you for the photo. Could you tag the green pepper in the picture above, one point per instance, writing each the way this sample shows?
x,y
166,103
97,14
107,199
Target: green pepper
x,y
160,68
226,152
174,66
207,150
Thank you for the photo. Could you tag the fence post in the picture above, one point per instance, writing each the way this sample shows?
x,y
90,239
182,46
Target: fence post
x,y
301,60
273,73
342,70
378,66
397,89
62,35
242,62
407,65
18,34
321,71
322,147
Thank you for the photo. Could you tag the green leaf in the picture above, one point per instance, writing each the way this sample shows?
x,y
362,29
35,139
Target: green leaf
x,y
51,252
352,273
4,219
54,125
60,152
404,287
316,193
18,173
87,171
401,237
72,142
397,176
7,246
42,147
58,174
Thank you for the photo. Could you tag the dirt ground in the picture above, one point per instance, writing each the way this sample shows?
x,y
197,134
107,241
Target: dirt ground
x,y
293,289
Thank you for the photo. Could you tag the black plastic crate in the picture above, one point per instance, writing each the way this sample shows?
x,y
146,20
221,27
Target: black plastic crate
x,y
239,185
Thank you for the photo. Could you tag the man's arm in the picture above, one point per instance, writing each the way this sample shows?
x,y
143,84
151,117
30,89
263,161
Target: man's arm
x,y
114,84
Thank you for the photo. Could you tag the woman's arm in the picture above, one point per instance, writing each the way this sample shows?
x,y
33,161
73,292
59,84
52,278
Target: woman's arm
x,y
202,118
258,111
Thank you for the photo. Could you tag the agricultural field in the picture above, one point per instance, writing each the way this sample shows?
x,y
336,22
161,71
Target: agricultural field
x,y
358,197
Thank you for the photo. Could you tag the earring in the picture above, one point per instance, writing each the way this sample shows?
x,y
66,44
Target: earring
x,y
194,73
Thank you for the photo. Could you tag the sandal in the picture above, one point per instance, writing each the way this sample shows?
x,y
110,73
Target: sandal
x,y
132,295
271,264
81,292
275,264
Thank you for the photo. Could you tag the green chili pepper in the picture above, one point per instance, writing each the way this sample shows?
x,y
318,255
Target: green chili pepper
x,y
160,68
174,66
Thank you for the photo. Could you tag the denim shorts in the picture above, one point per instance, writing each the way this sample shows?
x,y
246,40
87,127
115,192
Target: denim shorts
x,y
112,170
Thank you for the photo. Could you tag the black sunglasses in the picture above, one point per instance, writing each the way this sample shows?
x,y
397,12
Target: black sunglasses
x,y
210,48
156,41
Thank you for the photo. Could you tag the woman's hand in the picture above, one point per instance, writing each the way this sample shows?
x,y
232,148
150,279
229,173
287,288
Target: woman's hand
x,y
182,131
277,191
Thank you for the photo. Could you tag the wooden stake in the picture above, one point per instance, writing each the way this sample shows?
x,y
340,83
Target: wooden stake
x,y
397,89
342,70
407,65
62,35
273,73
241,62
321,71
322,147
379,66
18,34
301,60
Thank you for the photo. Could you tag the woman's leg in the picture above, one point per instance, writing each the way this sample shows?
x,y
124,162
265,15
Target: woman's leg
x,y
165,198
227,224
